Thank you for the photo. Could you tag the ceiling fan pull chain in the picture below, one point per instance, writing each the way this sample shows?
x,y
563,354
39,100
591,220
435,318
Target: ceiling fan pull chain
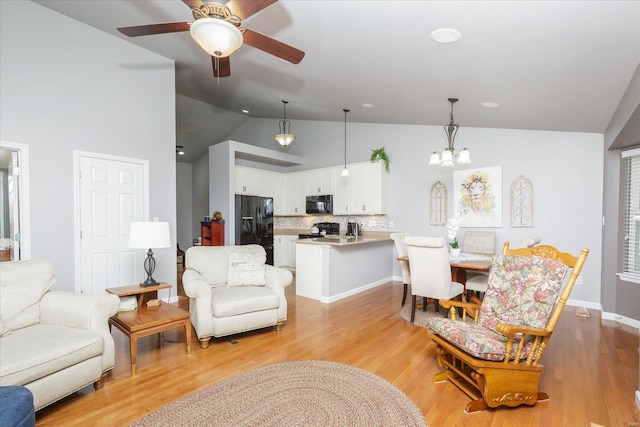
x,y
217,67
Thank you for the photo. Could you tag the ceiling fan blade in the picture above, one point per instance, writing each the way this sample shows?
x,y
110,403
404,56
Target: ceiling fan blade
x,y
147,30
245,8
272,46
224,67
193,3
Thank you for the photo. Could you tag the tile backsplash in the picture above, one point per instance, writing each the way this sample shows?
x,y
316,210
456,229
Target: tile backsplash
x,y
368,222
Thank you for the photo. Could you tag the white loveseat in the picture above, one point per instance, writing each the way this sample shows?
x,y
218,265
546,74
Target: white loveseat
x,y
54,343
232,290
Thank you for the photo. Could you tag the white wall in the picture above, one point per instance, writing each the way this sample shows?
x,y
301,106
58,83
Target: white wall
x,y
65,86
566,170
184,197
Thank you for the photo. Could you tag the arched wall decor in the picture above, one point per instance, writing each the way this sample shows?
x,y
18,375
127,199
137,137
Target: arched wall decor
x,y
521,202
438,204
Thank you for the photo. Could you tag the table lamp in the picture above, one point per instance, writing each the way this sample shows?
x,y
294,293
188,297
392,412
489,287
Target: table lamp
x,y
147,235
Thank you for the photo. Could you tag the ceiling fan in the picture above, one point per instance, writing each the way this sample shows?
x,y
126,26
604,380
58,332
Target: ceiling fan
x,y
217,30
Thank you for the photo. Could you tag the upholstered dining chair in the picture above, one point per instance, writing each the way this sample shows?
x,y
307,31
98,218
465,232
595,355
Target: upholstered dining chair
x,y
401,248
478,281
480,243
430,270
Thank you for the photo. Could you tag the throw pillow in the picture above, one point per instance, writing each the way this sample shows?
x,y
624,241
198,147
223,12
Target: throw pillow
x,y
246,268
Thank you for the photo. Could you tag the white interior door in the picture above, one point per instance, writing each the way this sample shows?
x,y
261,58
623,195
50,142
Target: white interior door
x,y
112,193
13,181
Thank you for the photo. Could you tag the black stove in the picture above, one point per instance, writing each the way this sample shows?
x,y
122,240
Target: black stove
x,y
331,228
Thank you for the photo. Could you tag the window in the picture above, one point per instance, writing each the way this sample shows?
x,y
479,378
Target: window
x,y
631,199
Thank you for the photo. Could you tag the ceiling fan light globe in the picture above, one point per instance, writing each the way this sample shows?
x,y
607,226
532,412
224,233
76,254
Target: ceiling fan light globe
x,y
216,36
284,139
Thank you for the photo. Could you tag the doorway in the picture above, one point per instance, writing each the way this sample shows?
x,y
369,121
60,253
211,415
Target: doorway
x,y
110,193
15,238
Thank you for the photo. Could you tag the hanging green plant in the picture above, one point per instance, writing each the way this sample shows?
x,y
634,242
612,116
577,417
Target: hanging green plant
x,y
379,154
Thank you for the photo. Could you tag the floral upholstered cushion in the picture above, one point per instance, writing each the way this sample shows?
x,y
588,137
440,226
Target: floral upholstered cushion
x,y
472,338
521,291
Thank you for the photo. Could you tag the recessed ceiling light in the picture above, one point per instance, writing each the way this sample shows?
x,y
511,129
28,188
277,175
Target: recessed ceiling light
x,y
446,35
490,104
245,111
367,105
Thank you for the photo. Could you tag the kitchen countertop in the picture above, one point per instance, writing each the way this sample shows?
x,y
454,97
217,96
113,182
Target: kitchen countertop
x,y
343,240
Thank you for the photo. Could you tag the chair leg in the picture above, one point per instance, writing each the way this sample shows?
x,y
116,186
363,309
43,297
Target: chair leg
x,y
404,294
437,303
425,301
413,308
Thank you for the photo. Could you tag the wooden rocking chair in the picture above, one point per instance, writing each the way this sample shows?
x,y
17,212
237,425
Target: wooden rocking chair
x,y
494,359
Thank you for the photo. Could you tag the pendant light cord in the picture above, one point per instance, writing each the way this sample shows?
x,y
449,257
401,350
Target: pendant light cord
x,y
345,136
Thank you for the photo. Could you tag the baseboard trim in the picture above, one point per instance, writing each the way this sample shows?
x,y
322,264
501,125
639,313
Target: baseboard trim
x,y
604,314
334,298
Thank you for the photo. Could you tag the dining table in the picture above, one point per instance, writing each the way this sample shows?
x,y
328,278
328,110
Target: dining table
x,y
459,267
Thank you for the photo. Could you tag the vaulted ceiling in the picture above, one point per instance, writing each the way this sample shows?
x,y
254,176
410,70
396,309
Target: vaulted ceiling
x,y
550,65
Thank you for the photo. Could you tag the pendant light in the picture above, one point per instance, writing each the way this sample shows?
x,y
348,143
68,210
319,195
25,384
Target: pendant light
x,y
345,171
449,154
284,138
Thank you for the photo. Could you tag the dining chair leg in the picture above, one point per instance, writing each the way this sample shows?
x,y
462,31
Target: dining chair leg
x,y
437,304
413,308
425,300
404,294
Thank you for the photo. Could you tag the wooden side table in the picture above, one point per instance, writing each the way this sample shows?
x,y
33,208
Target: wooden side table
x,y
144,293
146,320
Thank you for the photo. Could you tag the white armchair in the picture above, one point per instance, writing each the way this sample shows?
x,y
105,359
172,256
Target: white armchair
x,y
232,290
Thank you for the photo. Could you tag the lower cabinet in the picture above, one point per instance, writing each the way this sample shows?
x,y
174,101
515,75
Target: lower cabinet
x,y
284,251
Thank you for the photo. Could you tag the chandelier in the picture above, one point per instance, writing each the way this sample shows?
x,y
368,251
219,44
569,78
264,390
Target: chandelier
x,y
285,137
449,154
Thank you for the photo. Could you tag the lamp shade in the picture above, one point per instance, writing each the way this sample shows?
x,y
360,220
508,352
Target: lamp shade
x,y
216,36
148,235
464,158
284,139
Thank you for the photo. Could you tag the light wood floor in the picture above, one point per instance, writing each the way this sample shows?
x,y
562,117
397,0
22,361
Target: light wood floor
x,y
591,369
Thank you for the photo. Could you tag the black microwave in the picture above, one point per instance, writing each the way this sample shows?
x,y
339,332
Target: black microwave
x,y
320,204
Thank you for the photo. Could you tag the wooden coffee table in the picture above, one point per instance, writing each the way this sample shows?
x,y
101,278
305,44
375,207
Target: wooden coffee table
x,y
147,320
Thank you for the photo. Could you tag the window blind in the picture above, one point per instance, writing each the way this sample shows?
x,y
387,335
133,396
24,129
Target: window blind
x,y
631,184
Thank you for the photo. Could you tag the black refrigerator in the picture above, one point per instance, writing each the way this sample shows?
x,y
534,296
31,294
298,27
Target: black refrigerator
x,y
254,222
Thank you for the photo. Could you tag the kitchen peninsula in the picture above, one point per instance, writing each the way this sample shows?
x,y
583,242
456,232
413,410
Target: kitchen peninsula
x,y
332,268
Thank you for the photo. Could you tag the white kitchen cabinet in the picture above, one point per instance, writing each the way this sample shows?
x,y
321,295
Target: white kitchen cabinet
x,y
278,192
364,191
284,251
320,182
247,181
295,193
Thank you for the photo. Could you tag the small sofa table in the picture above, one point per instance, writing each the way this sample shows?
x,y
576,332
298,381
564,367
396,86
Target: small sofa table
x,y
147,320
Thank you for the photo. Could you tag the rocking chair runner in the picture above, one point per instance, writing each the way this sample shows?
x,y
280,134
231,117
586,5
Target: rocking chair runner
x,y
495,359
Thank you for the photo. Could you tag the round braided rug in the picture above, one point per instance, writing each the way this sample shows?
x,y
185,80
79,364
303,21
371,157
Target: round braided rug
x,y
301,393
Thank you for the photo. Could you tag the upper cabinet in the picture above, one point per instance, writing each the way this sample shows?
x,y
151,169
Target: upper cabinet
x,y
247,181
320,181
258,182
364,191
295,190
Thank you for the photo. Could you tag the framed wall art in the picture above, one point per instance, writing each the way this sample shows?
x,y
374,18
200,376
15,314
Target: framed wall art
x,y
477,195
521,202
438,204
